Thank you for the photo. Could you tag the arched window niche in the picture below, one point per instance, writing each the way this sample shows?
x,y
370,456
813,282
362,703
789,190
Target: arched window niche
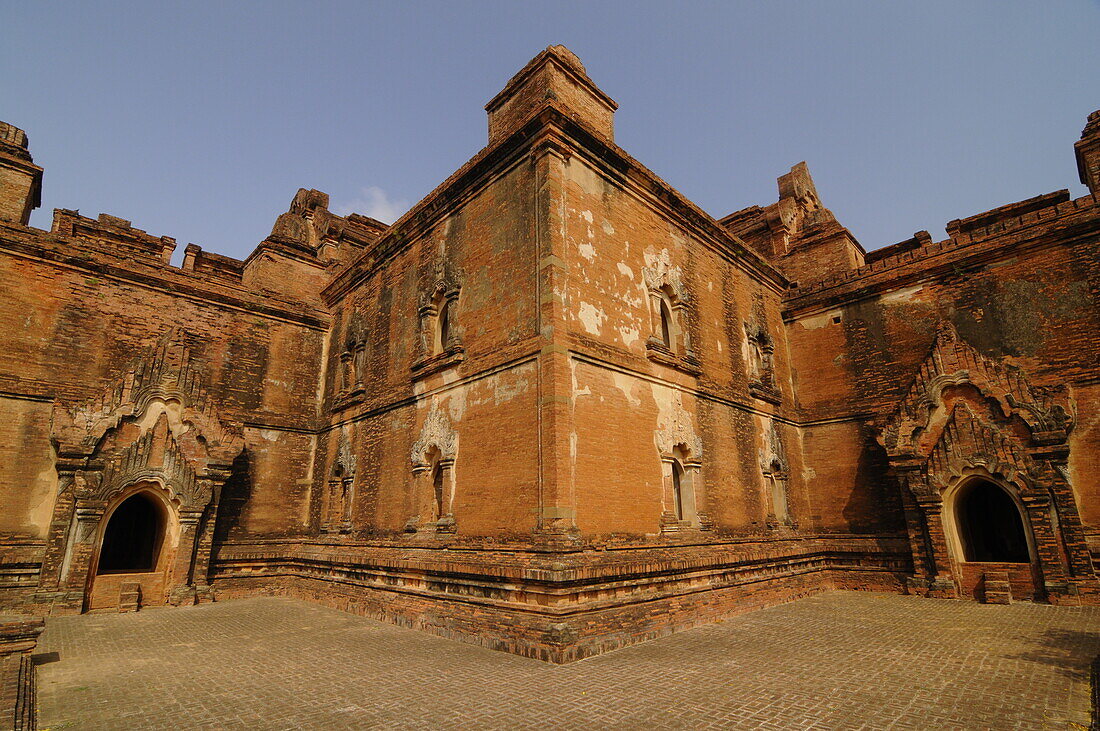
x,y
682,497
336,509
440,337
668,332
433,493
668,329
670,340
990,523
775,485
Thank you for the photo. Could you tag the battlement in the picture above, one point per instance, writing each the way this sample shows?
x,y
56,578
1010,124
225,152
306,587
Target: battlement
x,y
114,230
981,228
1008,212
212,265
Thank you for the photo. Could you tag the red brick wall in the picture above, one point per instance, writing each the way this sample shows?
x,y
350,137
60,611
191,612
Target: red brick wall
x,y
69,330
489,398
1027,297
621,398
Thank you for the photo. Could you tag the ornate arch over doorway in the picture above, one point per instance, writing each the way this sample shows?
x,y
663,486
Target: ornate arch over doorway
x,y
968,421
153,433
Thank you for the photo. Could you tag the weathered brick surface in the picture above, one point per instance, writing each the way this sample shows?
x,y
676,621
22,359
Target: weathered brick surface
x,y
556,408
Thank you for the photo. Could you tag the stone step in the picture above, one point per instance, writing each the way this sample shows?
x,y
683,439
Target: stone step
x,y
997,589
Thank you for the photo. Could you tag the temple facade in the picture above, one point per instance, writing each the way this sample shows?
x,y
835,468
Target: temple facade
x,y
554,409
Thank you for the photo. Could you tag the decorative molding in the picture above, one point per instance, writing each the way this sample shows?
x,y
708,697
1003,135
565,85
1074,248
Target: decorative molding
x,y
664,275
761,347
658,352
352,365
967,442
773,454
166,372
437,432
444,288
142,460
1049,413
344,465
676,430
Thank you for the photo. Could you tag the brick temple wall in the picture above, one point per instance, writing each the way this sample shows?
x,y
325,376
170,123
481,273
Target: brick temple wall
x,y
555,407
487,398
623,394
1022,290
79,310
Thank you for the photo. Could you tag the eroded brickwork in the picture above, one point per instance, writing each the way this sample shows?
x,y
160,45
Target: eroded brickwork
x,y
555,408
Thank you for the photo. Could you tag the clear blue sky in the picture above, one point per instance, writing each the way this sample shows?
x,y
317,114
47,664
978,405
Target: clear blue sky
x,y
201,120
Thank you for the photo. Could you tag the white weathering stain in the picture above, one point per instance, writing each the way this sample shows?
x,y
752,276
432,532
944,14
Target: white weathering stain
x,y
629,335
591,317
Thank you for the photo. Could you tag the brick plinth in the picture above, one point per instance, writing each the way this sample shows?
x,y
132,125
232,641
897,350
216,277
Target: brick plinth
x,y
559,608
18,637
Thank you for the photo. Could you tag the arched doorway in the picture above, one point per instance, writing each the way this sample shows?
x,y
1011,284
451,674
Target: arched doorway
x,y
132,552
132,539
996,558
990,525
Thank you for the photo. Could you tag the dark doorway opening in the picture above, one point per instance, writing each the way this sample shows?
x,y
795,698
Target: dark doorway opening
x,y
437,489
990,526
132,540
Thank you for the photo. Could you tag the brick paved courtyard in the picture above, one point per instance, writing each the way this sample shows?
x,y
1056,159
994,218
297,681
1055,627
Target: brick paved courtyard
x,y
842,660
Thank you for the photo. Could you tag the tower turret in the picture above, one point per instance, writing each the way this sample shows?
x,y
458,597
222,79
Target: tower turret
x,y
1088,153
20,178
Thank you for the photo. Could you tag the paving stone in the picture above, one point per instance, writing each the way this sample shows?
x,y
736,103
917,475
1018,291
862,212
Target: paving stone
x,y
841,660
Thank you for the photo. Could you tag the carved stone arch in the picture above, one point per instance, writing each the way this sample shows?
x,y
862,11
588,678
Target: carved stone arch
x,y
154,423
433,456
683,493
661,275
155,456
1016,433
436,432
966,442
1048,412
165,373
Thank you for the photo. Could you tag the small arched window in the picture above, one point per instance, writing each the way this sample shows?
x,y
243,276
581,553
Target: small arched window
x,y
437,490
444,326
666,324
678,489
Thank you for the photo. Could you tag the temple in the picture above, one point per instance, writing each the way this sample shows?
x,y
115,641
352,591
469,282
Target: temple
x,y
554,409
